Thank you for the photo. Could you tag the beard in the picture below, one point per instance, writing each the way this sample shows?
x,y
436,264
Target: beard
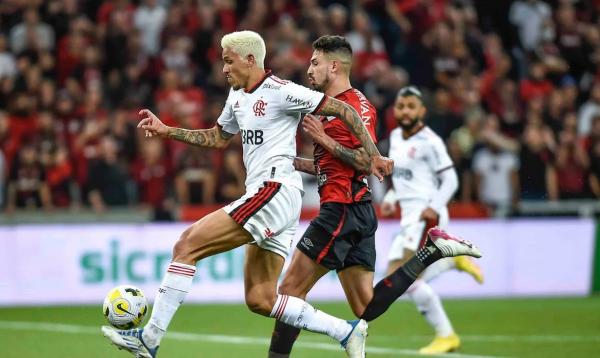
x,y
321,87
410,125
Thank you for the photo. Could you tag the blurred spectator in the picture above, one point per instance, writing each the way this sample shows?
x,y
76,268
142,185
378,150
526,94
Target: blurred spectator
x,y
536,85
572,164
149,18
538,177
441,119
460,149
533,19
589,110
555,110
570,39
338,19
594,135
594,177
152,173
496,172
195,181
31,34
367,46
60,178
60,13
8,66
233,176
116,39
123,130
27,186
108,179
2,177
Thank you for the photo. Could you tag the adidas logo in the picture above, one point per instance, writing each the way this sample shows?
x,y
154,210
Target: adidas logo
x,y
237,104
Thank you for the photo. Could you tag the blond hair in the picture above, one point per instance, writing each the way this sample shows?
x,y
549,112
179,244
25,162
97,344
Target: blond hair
x,y
246,43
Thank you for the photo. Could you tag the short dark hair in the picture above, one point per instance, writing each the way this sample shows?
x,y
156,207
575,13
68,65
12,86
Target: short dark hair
x,y
332,43
410,91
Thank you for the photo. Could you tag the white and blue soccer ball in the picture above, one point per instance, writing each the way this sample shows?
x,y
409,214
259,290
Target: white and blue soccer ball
x,y
125,307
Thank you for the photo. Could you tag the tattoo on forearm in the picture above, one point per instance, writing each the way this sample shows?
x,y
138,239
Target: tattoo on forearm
x,y
350,117
357,158
201,137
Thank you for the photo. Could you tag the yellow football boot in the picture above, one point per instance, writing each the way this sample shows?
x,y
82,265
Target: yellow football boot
x,y
466,264
441,345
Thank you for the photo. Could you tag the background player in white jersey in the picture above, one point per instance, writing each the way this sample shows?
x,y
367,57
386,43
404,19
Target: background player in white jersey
x,y
424,180
266,111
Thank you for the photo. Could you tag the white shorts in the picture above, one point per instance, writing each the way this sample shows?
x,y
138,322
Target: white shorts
x,y
270,213
413,231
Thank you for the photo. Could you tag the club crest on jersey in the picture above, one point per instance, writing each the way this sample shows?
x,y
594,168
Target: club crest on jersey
x,y
268,233
411,152
259,108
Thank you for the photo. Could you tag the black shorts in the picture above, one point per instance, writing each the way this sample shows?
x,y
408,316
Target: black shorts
x,y
342,235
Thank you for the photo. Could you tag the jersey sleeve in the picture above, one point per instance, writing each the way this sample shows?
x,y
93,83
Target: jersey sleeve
x,y
227,120
296,98
439,159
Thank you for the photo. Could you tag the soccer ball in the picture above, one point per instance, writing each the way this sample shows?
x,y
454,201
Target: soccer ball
x,y
125,307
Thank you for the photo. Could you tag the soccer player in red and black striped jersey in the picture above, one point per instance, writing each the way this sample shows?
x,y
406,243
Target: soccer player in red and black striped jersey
x,y
342,236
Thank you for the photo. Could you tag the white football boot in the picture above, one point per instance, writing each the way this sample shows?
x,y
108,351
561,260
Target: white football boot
x,y
450,246
354,343
129,340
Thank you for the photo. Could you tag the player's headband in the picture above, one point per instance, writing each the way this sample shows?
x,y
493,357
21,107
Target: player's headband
x,y
410,91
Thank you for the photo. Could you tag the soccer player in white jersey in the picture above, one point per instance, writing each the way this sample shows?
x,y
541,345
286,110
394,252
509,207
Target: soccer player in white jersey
x,y
266,111
424,180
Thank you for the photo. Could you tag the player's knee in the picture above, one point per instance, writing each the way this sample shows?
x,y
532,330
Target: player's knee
x,y
260,303
182,250
291,289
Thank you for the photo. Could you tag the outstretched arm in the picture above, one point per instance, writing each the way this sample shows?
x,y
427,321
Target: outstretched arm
x,y
357,158
213,137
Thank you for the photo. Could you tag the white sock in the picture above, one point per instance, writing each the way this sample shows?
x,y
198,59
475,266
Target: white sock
x,y
430,305
438,267
300,314
173,288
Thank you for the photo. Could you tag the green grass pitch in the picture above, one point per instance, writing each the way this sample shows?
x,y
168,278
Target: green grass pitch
x,y
557,327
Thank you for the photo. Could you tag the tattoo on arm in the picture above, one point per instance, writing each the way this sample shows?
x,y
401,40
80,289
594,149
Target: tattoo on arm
x,y
350,117
357,158
211,138
305,165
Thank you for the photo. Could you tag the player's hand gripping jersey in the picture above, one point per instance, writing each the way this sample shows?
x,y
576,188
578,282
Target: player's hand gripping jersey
x,y
267,117
338,181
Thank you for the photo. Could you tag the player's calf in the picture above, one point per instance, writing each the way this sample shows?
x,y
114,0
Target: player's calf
x,y
439,244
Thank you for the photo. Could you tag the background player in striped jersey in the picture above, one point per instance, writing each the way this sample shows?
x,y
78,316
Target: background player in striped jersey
x,y
424,180
342,236
266,111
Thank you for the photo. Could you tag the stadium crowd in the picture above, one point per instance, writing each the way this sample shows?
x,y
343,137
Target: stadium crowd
x,y
512,86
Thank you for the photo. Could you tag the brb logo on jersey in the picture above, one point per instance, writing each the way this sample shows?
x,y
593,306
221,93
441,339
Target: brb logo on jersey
x,y
259,108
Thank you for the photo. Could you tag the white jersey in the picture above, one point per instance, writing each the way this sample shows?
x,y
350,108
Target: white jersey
x,y
267,117
417,161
